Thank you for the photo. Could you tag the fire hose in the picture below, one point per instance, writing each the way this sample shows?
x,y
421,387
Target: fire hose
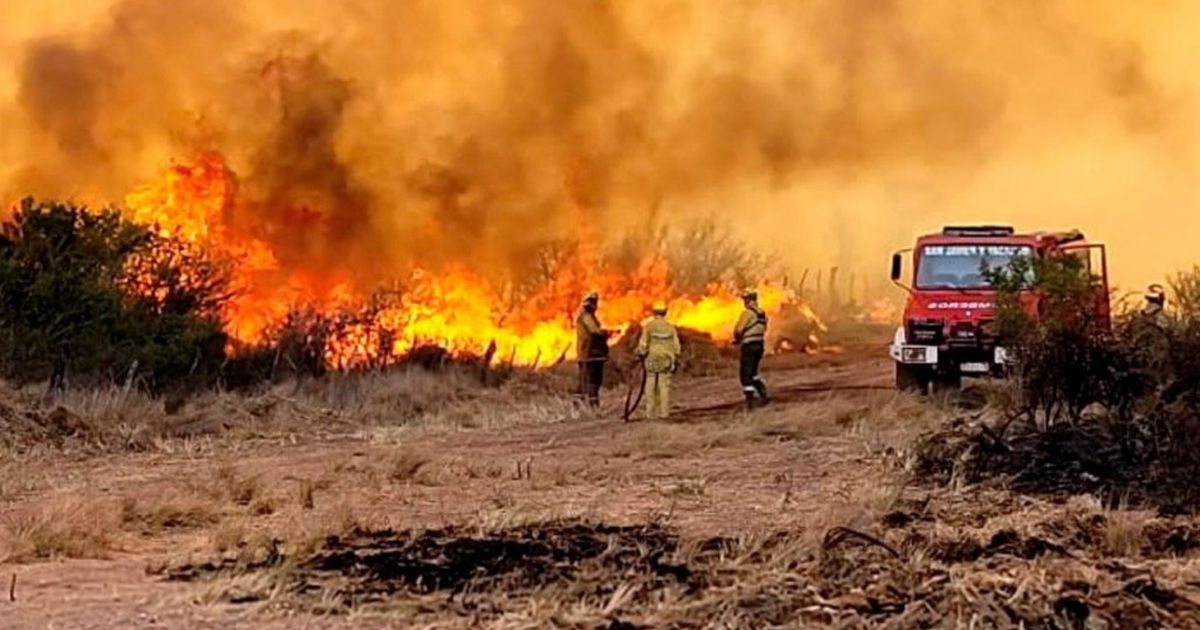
x,y
634,391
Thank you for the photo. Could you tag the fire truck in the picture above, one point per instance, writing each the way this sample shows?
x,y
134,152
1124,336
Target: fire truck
x,y
948,331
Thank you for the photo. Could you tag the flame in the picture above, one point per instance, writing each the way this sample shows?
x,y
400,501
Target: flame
x,y
881,311
452,308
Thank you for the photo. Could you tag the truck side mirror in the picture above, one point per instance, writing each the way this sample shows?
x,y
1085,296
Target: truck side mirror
x,y
897,264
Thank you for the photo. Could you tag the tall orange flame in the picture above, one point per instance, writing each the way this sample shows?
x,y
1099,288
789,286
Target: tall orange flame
x,y
452,308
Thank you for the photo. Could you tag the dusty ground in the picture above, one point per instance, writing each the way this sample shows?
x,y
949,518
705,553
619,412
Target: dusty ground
x,y
698,473
94,540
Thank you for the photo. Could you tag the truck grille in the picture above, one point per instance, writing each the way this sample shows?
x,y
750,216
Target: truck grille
x,y
964,334
925,331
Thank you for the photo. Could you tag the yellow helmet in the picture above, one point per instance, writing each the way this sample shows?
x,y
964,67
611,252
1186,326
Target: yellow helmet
x,y
591,298
659,307
750,294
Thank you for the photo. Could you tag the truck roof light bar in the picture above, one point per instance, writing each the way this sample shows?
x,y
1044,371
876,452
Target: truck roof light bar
x,y
978,230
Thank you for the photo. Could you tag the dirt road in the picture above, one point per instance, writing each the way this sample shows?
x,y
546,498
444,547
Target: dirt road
x,y
712,470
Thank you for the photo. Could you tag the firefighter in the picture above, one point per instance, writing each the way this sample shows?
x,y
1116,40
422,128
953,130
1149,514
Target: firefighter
x,y
1152,334
658,348
750,334
591,350
1154,311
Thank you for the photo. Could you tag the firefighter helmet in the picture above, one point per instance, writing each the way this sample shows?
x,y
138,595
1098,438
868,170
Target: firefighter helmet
x,y
591,298
659,308
1156,294
750,294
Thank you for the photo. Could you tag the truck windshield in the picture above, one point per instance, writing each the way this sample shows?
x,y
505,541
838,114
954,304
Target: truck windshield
x,y
961,266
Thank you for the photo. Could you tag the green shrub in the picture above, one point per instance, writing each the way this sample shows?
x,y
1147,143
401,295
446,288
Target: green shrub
x,y
89,297
1055,323
1140,377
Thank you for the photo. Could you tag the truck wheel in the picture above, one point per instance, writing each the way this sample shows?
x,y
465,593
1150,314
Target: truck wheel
x,y
913,378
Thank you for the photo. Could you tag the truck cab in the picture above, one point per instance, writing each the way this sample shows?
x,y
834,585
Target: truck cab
x,y
948,330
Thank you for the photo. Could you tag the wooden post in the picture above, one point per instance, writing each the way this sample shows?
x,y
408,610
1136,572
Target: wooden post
x,y
485,365
833,295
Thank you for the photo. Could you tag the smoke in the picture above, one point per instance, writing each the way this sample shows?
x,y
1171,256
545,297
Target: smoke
x,y
370,135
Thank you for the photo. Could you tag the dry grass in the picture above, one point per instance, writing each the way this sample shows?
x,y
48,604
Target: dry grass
x,y
17,482
236,488
408,464
65,527
392,398
121,419
500,409
113,419
662,441
153,516
230,535
1125,532
886,424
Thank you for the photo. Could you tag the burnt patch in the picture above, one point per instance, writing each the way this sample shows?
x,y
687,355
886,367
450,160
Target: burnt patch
x,y
363,567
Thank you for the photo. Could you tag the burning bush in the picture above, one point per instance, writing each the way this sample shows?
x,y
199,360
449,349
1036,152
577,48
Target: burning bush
x,y
88,295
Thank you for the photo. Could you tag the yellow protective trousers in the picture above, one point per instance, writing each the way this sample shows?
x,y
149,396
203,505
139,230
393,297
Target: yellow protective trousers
x,y
658,395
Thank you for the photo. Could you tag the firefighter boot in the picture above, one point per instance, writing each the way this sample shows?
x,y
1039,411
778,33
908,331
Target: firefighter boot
x,y
751,398
760,388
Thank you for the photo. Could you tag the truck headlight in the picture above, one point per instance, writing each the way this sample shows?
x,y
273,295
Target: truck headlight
x,y
913,355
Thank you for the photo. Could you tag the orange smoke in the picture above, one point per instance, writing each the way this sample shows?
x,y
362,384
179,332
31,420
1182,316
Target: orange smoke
x,y
452,308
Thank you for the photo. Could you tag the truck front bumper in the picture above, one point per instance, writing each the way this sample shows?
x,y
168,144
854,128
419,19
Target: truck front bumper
x,y
909,354
968,360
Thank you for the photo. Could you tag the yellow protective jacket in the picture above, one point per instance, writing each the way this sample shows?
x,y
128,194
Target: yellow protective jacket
x,y
658,345
591,341
751,326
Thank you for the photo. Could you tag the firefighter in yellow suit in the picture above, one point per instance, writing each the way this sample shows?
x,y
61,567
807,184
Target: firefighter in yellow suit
x,y
658,347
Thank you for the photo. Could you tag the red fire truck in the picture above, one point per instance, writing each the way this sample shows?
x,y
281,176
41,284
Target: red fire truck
x,y
948,330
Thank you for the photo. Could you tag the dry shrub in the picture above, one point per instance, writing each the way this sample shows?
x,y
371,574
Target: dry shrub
x,y
114,419
508,407
119,419
230,485
395,397
236,537
65,527
307,531
263,506
893,422
1185,293
860,508
408,464
150,516
1117,414
1124,532
307,492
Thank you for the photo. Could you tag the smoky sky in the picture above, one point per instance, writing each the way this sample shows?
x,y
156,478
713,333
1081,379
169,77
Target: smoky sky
x,y
375,135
